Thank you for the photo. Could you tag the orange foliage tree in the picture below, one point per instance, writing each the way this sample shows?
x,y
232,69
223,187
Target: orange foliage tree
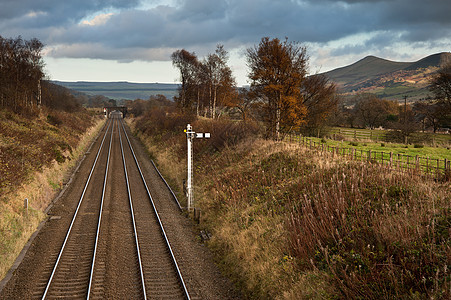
x,y
277,72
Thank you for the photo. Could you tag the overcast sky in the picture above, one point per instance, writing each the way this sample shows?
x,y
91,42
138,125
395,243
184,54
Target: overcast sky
x,y
132,40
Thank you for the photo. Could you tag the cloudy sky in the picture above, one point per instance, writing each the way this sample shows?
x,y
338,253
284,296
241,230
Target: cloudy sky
x,y
132,40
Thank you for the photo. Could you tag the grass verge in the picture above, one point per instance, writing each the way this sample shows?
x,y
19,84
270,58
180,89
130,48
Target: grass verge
x,y
39,186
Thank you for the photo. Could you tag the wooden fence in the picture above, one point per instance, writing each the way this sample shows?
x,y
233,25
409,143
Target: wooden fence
x,y
381,135
431,167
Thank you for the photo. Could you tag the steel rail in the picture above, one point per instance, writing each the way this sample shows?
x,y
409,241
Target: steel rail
x,y
100,213
165,182
75,214
133,215
179,274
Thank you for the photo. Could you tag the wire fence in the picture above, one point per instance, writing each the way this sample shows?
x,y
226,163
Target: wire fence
x,y
430,167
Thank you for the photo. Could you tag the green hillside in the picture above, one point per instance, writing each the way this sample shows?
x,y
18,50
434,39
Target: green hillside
x,y
389,79
364,69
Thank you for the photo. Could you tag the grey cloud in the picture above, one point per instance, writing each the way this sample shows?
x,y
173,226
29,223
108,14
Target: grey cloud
x,y
198,24
60,10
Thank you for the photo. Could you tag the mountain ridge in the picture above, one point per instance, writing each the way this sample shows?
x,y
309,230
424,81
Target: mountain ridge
x,y
388,79
121,89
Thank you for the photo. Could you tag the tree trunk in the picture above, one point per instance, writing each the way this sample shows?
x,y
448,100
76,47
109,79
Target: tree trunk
x,y
197,105
277,133
278,123
210,106
214,101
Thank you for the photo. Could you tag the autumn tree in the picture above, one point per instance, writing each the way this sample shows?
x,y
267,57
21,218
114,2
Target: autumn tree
x,y
432,114
373,112
406,124
219,79
21,72
318,95
277,71
441,85
206,84
188,65
439,112
60,98
244,101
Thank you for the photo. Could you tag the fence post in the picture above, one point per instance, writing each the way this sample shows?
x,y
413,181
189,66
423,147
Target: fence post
x,y
369,155
445,167
391,159
438,168
417,162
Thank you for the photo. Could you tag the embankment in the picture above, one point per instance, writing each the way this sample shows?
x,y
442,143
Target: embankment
x,y
287,222
37,155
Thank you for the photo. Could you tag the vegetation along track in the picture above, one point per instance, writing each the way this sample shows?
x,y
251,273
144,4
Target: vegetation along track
x,y
115,246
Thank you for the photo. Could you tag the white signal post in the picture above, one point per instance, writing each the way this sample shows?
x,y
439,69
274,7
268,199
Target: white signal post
x,y
190,136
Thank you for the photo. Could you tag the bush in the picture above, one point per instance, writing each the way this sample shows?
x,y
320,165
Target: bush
x,y
162,123
226,132
418,146
54,120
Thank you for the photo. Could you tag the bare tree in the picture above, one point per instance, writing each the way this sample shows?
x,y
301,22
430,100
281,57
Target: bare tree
x,y
441,85
205,84
21,72
372,111
318,95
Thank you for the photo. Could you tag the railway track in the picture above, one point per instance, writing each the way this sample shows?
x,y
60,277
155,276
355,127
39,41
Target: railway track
x,y
116,245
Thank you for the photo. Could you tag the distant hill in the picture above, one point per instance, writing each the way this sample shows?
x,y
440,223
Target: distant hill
x,y
389,79
122,90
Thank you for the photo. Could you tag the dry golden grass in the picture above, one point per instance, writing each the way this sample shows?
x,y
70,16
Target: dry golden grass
x,y
16,223
290,223
273,249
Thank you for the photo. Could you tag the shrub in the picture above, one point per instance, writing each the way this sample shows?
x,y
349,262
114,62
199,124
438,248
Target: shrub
x,y
225,133
54,120
339,137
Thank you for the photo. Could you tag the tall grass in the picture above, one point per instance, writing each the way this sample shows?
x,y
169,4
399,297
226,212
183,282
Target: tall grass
x,y
290,223
376,234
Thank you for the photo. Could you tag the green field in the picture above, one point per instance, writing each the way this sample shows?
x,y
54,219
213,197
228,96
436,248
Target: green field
x,y
433,161
431,152
367,135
